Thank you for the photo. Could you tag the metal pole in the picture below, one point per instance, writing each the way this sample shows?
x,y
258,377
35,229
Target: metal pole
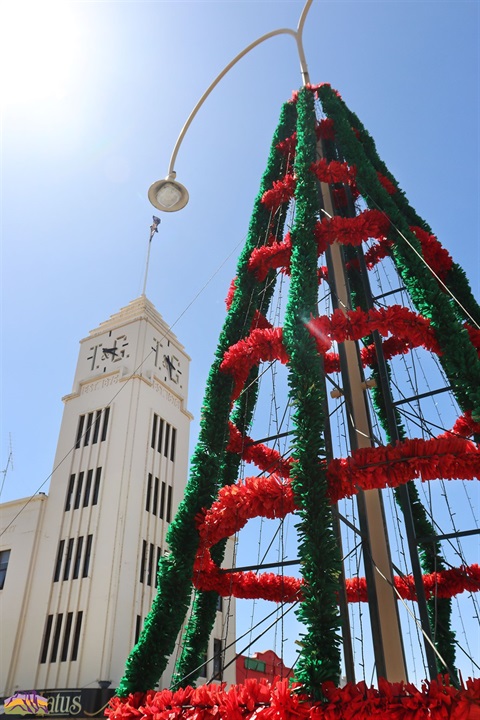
x,y
382,602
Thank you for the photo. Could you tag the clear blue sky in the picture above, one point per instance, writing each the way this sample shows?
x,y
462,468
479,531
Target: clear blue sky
x,y
96,95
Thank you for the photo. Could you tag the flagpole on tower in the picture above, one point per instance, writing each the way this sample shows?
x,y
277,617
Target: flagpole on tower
x,y
153,229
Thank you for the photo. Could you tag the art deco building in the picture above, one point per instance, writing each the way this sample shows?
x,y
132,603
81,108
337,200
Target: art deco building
x,y
78,567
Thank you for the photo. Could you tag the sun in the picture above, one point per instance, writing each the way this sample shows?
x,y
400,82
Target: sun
x,y
39,42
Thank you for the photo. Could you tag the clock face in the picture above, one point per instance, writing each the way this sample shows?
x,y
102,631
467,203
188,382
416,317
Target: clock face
x,y
107,353
172,365
168,362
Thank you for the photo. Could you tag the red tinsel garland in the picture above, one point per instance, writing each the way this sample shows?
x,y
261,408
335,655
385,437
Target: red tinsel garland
x,y
387,184
370,468
348,231
266,344
281,191
333,171
435,255
280,700
272,497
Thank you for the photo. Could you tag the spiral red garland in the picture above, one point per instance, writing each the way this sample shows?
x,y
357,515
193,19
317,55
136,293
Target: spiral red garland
x,y
265,344
272,497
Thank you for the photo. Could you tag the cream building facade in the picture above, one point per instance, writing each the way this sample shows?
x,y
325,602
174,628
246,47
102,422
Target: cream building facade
x,y
79,565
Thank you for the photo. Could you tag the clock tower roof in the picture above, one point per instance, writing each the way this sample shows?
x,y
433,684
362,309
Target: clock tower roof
x,y
139,309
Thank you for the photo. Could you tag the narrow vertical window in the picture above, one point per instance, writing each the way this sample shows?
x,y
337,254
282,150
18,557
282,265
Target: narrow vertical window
x,y
96,426
4,558
142,563
217,659
106,415
167,439
86,559
76,637
88,487
173,444
78,557
160,435
58,564
68,561
138,627
155,497
219,603
159,555
169,504
56,637
81,423
46,639
161,514
150,565
154,430
78,493
203,669
68,499
149,492
88,429
96,488
66,637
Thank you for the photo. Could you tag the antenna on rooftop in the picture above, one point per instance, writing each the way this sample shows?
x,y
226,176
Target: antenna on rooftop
x,y
9,462
153,229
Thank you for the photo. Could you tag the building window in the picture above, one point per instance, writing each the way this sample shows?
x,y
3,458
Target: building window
x,y
217,659
88,429
66,637
81,423
219,603
4,558
76,637
88,552
149,492
253,664
78,557
78,493
56,637
68,561
71,485
96,427
203,670
154,431
160,435
58,564
46,638
169,503
138,627
87,422
88,487
96,488
164,437
106,415
143,561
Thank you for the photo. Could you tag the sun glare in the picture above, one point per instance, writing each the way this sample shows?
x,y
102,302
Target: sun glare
x,y
38,47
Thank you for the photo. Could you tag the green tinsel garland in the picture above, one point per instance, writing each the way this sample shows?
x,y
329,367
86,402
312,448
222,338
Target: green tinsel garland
x,y
319,658
149,657
456,280
459,357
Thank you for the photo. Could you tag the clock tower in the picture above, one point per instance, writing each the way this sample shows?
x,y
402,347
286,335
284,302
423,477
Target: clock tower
x,y
119,474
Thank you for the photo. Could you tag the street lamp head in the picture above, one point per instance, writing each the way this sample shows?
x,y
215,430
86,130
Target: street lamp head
x,y
168,194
